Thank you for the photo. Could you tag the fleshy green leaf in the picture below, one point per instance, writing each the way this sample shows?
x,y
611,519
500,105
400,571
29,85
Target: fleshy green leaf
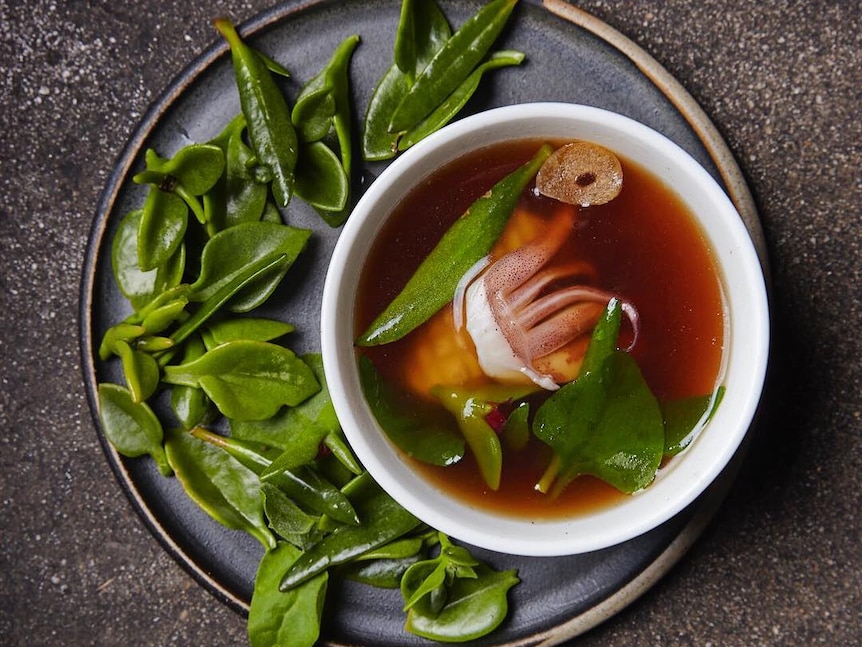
x,y
279,619
229,253
138,286
418,429
254,328
607,422
288,520
270,129
248,380
474,607
190,404
140,369
239,196
161,229
684,418
320,178
422,31
382,520
131,427
452,64
469,239
455,102
219,484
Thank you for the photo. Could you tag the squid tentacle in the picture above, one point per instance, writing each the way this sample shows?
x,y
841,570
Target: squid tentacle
x,y
515,314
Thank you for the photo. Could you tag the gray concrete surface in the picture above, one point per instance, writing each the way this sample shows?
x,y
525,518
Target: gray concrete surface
x,y
782,562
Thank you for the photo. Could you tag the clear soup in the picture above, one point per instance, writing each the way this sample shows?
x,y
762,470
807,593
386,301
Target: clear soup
x,y
644,246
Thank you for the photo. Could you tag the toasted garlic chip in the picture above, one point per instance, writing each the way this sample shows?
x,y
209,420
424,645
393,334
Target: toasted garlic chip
x,y
581,173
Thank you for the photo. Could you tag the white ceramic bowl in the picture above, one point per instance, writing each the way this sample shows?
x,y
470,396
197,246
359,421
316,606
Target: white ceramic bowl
x,y
745,352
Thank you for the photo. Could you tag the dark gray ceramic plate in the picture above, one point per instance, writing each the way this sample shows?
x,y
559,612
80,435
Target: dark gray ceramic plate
x,y
570,57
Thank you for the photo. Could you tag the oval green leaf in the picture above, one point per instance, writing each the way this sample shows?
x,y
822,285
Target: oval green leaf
x,y
248,380
227,255
321,180
276,618
161,229
131,427
138,286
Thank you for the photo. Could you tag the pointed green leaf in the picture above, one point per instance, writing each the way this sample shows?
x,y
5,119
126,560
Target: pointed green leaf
x,y
321,180
607,422
229,253
452,64
219,484
254,328
270,129
248,380
452,105
468,239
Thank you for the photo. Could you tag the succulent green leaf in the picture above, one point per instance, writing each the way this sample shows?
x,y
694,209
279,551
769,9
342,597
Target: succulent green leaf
x,y
321,180
131,427
228,254
278,619
273,137
248,380
138,286
219,484
606,423
451,64
473,608
469,239
455,102
417,428
161,228
254,328
382,520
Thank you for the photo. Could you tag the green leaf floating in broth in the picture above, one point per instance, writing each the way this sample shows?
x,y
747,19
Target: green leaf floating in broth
x,y
416,428
683,418
470,238
606,423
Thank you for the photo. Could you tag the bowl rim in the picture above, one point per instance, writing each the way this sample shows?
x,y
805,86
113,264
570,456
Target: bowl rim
x,y
681,481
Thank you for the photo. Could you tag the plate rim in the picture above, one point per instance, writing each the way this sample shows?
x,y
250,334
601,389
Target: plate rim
x,y
733,181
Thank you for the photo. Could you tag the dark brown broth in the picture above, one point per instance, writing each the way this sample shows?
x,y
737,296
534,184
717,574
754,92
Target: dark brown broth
x,y
645,246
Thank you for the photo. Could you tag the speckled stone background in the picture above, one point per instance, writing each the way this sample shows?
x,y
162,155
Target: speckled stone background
x,y
782,562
